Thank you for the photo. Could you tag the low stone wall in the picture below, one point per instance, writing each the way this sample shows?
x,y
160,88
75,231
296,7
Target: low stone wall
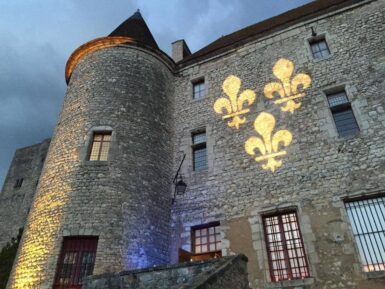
x,y
221,273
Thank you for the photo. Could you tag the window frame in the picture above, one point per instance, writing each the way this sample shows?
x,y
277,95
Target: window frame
x,y
93,134
75,275
212,254
198,146
346,106
286,259
350,222
196,82
314,41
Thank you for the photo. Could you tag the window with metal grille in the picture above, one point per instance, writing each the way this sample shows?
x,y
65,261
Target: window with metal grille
x,y
285,249
76,261
199,151
367,218
319,48
100,146
206,239
343,115
199,89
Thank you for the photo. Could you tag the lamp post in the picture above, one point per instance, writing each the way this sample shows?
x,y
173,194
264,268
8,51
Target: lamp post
x,y
179,185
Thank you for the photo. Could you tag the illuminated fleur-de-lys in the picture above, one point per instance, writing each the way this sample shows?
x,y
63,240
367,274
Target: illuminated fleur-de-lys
x,y
232,107
289,88
269,143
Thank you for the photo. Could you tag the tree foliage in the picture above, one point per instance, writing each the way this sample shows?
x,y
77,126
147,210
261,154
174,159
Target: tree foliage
x,y
7,256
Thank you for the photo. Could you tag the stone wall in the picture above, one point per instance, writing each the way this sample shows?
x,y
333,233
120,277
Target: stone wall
x,y
15,202
125,201
319,170
222,273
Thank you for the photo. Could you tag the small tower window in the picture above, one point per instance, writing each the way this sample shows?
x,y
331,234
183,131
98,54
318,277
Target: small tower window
x,y
100,146
18,183
319,48
76,261
343,115
199,151
199,89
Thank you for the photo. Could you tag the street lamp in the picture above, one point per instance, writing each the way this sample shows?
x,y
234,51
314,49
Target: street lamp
x,y
179,185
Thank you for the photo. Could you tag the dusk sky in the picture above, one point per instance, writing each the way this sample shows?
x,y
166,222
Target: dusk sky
x,y
37,37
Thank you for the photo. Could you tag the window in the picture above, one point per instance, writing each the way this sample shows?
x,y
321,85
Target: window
x,y
319,48
76,261
199,89
342,112
206,239
367,218
100,146
199,151
18,183
285,250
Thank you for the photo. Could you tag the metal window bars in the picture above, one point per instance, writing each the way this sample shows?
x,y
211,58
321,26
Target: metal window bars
x,y
76,261
285,249
367,218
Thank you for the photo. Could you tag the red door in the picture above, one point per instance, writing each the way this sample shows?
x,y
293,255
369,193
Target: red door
x,y
76,260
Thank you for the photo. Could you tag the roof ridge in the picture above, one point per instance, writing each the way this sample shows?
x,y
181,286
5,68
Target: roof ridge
x,y
269,25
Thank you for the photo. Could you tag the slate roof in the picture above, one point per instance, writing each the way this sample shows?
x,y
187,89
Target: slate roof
x,y
135,27
302,13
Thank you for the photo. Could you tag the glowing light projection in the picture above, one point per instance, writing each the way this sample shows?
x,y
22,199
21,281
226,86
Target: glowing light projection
x,y
269,144
32,267
289,88
232,107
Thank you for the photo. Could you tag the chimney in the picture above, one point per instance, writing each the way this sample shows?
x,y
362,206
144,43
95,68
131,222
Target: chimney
x,y
180,50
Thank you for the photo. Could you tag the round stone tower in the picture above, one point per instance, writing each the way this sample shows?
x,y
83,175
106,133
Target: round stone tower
x,y
108,170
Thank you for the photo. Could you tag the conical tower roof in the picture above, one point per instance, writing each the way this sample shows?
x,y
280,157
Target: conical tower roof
x,y
135,27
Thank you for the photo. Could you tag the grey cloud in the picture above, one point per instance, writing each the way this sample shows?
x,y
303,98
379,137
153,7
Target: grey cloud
x,y
37,38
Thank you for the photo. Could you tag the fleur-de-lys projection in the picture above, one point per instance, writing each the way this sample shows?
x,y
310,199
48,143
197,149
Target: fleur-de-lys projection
x,y
269,144
289,86
232,107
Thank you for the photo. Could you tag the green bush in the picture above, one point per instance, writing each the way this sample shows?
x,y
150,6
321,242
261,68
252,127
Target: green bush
x,y
7,256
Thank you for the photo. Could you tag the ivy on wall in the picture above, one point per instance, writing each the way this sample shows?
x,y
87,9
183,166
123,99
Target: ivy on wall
x,y
7,256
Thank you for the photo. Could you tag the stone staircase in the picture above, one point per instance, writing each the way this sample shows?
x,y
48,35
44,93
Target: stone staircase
x,y
220,273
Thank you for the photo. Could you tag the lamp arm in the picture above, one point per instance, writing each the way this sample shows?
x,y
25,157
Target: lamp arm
x,y
177,172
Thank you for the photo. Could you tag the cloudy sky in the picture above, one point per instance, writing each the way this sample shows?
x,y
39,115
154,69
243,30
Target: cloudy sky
x,y
37,37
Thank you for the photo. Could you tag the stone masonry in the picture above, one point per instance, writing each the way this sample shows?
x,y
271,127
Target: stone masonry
x,y
320,168
119,200
228,272
146,100
16,201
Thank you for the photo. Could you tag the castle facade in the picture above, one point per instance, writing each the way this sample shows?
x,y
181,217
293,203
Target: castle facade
x,y
276,129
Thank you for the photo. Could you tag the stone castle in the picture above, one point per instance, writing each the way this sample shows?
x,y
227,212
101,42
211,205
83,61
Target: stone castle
x,y
276,129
